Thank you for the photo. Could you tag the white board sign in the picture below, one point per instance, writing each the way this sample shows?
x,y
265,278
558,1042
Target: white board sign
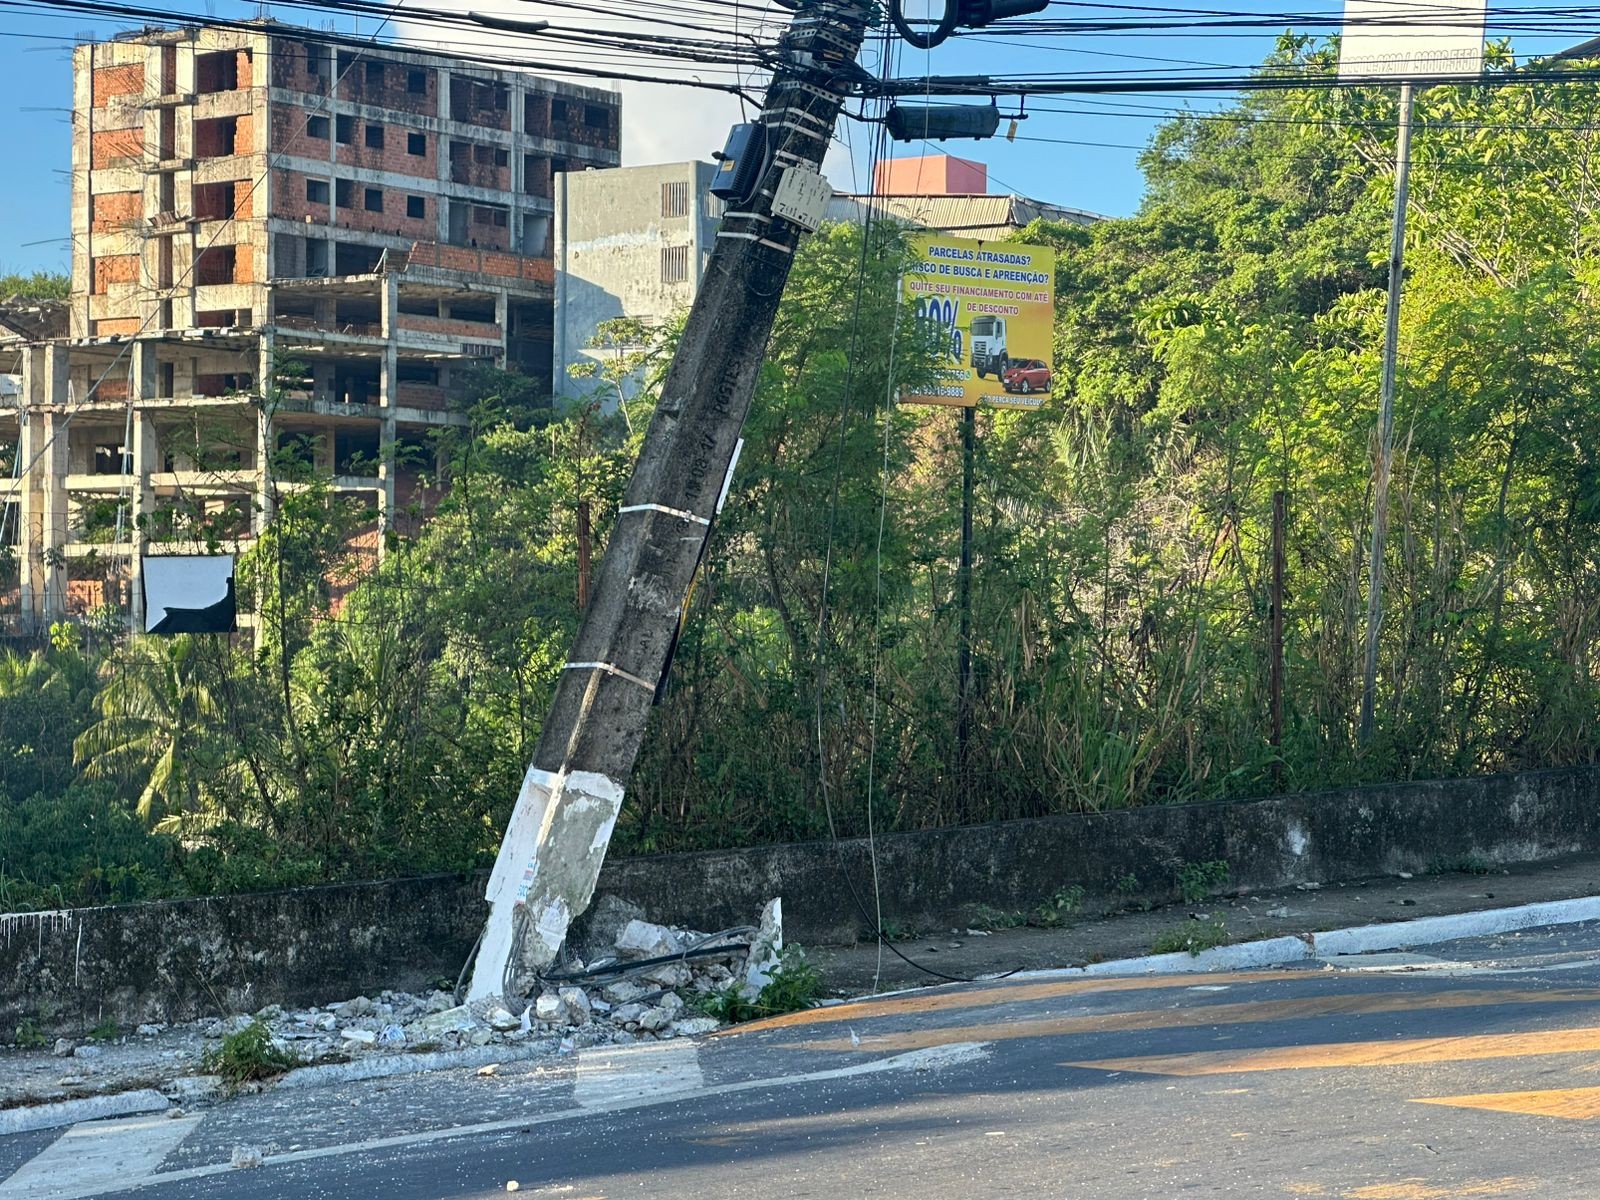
x,y
189,593
1397,39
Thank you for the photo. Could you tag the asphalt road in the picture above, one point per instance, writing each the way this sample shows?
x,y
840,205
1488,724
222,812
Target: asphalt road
x,y
1471,1071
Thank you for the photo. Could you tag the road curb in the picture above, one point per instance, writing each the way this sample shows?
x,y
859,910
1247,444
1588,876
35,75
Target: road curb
x,y
1360,939
87,1108
1427,931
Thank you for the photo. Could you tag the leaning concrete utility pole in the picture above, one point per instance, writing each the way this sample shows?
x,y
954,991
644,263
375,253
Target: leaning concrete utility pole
x,y
556,840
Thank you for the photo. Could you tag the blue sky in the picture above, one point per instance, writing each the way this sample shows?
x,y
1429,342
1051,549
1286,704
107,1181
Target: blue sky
x,y
663,123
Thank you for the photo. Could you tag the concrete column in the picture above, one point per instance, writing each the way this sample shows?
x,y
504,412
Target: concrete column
x,y
143,455
502,318
266,498
146,458
44,516
57,367
441,158
388,385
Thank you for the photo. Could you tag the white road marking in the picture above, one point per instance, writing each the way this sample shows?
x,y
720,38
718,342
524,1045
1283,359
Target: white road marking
x,y
607,1074
930,1059
98,1156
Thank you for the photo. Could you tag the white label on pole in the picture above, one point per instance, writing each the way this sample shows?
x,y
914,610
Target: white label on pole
x,y
1393,39
802,197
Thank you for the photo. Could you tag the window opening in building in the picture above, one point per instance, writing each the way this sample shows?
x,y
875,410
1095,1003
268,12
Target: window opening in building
x,y
596,117
417,82
374,74
374,200
416,206
344,129
317,191
417,143
317,127
374,137
675,264
343,192
675,199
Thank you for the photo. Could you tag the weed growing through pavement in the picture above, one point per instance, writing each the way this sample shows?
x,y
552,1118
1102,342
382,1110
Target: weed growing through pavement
x,y
1193,935
248,1055
105,1031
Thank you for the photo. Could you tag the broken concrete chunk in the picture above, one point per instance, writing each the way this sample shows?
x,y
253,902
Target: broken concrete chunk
x,y
86,1052
435,1025
361,1037
64,1048
641,939
764,951
391,1035
501,1019
694,1026
624,991
628,1014
548,1008
609,917
245,1157
670,975
653,1019
574,1005
359,1007
151,1030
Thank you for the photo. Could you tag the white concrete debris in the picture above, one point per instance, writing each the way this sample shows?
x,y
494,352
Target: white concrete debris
x,y
575,1005
502,1019
246,1156
617,1006
765,952
641,939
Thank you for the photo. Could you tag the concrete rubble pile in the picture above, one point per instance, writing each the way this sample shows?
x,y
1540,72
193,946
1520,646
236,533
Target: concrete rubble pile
x,y
620,996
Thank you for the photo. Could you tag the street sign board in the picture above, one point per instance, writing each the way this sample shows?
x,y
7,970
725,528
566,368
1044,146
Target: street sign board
x,y
1401,39
993,307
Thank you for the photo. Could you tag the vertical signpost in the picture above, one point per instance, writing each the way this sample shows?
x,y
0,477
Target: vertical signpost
x,y
1383,43
992,305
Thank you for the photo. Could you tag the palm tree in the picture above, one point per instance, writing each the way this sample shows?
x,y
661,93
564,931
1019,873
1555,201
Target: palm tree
x,y
158,728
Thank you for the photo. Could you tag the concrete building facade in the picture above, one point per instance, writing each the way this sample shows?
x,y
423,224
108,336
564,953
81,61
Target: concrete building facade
x,y
632,242
246,197
940,191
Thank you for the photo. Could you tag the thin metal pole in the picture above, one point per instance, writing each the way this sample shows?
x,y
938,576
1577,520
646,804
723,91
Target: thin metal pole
x,y
1279,506
1380,489
964,601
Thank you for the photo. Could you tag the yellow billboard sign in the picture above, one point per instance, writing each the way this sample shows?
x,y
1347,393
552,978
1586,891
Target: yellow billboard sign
x,y
992,305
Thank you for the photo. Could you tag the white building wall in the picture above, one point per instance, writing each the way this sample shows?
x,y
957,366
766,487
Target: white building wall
x,y
629,242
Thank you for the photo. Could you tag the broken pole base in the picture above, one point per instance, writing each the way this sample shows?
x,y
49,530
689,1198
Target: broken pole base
x,y
548,866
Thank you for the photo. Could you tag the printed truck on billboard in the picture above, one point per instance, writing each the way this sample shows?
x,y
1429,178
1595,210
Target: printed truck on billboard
x,y
993,305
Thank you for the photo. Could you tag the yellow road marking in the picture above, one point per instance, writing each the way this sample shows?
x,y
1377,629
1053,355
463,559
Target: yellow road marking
x,y
1573,1104
1420,1189
1014,993
1401,1052
1197,1015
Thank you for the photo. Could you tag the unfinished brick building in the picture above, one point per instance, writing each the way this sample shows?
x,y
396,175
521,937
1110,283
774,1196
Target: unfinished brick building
x,y
244,197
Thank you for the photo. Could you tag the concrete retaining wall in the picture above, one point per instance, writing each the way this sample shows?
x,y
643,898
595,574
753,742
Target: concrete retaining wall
x,y
181,959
